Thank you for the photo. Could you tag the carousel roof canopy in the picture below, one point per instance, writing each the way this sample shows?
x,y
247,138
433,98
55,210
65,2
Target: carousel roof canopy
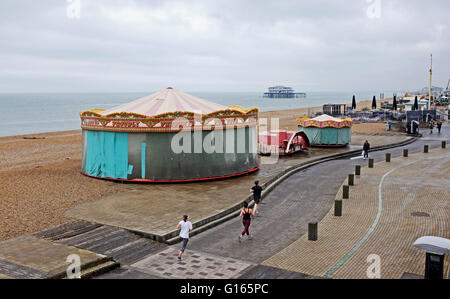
x,y
326,117
160,112
168,101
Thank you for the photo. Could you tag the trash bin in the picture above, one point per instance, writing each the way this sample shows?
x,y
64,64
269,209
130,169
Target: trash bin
x,y
436,248
412,127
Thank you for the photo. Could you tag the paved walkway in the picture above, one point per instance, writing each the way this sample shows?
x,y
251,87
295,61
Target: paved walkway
x,y
389,208
157,208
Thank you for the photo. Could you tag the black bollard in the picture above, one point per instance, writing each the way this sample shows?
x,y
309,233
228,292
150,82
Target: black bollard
x,y
338,208
357,169
370,163
443,144
388,157
351,179
312,231
425,148
345,192
405,153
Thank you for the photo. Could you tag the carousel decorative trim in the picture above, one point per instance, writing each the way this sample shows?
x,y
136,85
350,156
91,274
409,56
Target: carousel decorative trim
x,y
307,122
235,117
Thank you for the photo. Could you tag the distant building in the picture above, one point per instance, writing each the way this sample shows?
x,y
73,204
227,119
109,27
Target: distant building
x,y
434,90
283,92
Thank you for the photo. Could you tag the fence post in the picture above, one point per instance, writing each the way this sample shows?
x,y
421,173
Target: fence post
x,y
357,169
351,179
388,157
338,208
370,163
425,148
312,231
345,192
405,153
443,144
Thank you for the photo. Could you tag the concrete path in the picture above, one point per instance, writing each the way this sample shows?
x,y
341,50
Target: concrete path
x,y
389,208
304,197
285,212
156,209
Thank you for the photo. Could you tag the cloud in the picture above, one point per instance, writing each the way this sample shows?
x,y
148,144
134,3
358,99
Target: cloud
x,y
125,45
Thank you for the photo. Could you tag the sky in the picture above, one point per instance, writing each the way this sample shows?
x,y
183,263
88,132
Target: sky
x,y
222,45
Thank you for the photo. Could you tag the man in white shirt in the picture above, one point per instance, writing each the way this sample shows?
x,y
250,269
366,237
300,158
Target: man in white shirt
x,y
185,227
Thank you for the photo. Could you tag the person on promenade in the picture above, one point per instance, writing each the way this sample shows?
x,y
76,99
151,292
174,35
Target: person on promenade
x,y
257,191
431,127
185,227
388,126
366,148
246,214
439,126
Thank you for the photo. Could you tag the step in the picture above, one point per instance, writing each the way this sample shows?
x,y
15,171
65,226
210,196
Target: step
x,y
99,269
86,267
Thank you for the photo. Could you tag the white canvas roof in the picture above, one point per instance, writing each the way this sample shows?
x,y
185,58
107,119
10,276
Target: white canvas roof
x,y
326,117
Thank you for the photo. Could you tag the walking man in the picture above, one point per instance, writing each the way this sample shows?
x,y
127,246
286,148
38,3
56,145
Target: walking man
x,y
257,190
431,127
439,126
366,148
185,227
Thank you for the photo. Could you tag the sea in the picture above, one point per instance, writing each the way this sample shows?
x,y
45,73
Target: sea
x,y
30,113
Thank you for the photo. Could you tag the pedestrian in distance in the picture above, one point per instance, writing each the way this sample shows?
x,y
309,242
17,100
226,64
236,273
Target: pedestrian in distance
x,y
431,127
439,126
366,148
246,214
257,191
185,227
388,125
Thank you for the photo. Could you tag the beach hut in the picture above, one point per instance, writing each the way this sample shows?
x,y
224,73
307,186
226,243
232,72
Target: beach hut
x,y
325,130
169,136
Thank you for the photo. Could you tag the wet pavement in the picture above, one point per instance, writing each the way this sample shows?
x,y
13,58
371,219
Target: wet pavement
x,y
156,209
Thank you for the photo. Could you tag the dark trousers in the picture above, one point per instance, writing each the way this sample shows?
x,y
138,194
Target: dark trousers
x,y
183,247
246,226
366,154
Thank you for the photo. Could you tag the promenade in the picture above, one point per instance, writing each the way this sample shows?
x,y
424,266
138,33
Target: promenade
x,y
155,209
389,207
279,248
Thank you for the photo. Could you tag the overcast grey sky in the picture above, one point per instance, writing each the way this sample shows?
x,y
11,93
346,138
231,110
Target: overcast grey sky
x,y
312,45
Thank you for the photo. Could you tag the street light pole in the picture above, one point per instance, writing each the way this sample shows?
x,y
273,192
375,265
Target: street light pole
x,y
431,75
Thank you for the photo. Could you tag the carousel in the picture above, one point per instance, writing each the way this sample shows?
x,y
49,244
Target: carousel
x,y
326,130
169,136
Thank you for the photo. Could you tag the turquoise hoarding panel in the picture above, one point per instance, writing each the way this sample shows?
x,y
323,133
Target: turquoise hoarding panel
x,y
143,153
327,136
107,154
